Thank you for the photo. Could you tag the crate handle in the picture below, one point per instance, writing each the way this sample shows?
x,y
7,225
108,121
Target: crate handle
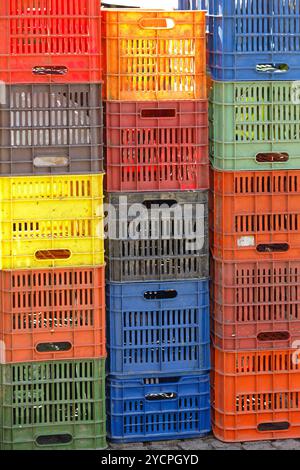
x,y
159,202
49,70
157,23
273,248
272,157
160,294
280,426
158,113
161,396
53,347
272,68
274,336
52,254
50,161
50,439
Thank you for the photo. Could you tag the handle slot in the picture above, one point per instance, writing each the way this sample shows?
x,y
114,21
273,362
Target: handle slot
x,y
158,113
48,440
272,157
50,161
274,336
160,202
53,347
160,295
281,426
157,23
161,396
49,70
272,68
52,254
273,248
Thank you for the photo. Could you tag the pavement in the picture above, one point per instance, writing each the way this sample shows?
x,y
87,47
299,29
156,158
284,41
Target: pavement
x,y
208,443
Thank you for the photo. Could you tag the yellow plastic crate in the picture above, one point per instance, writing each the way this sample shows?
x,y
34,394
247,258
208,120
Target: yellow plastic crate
x,y
154,55
49,221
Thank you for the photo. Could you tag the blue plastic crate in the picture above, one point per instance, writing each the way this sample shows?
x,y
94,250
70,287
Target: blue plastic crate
x,y
141,410
158,327
192,4
254,39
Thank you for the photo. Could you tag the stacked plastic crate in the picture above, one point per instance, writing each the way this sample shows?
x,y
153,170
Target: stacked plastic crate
x,y
190,4
157,292
52,314
255,214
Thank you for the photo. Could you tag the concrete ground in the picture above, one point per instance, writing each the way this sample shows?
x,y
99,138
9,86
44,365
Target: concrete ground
x,y
209,443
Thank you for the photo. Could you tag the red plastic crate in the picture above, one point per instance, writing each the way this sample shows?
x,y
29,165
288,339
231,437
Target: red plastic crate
x,y
255,395
255,304
255,215
157,146
52,314
50,41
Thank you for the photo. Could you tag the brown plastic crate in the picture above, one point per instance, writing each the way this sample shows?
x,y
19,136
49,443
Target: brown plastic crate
x,y
52,314
51,129
165,251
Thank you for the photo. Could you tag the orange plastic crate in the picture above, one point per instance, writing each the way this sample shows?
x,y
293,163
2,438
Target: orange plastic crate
x,y
50,41
154,55
256,395
255,304
52,314
255,215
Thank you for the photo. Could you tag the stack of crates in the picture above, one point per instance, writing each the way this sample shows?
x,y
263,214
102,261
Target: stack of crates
x,y
254,60
52,298
156,145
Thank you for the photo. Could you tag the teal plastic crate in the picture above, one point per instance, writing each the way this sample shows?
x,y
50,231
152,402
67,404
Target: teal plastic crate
x,y
255,126
55,405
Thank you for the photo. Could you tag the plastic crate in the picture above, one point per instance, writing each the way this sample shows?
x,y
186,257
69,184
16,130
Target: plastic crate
x,y
45,41
255,126
158,328
255,305
192,5
52,314
141,410
53,405
51,221
156,146
154,55
51,129
255,395
161,249
255,215
254,40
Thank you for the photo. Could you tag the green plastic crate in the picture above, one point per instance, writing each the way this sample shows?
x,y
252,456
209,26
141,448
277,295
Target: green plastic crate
x,y
255,126
53,405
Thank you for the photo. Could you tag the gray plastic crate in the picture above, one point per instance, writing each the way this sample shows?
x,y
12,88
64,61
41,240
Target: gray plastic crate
x,y
150,256
51,129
